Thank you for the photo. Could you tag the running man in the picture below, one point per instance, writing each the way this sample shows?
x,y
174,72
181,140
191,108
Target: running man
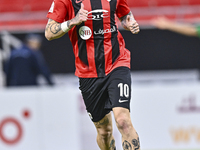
x,y
102,62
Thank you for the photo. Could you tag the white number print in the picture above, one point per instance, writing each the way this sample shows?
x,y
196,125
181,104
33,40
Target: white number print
x,y
124,90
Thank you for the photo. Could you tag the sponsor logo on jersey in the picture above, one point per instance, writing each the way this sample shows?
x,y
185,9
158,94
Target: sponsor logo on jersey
x,y
98,14
51,8
102,32
85,32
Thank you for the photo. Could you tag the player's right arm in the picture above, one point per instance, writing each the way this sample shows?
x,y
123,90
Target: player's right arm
x,y
53,30
56,30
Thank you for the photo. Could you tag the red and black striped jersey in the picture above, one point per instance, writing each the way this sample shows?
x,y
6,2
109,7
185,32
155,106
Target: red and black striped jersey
x,y
97,44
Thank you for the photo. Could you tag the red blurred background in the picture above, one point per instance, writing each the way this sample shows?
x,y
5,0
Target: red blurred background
x,y
20,15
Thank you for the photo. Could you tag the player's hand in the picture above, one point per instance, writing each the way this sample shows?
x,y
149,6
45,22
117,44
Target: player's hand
x,y
81,16
132,24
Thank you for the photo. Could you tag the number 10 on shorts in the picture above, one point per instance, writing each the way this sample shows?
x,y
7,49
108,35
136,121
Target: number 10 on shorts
x,y
124,90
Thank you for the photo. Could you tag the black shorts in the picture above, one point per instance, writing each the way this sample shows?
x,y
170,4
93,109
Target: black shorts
x,y
102,94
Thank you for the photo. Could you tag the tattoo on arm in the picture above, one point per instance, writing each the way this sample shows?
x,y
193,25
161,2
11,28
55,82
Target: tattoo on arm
x,y
53,27
68,23
47,26
123,19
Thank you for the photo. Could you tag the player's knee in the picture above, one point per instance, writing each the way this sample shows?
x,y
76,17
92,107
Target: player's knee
x,y
105,134
124,124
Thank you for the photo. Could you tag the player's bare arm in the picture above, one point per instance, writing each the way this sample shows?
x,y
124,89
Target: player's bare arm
x,y
56,30
164,23
129,23
53,30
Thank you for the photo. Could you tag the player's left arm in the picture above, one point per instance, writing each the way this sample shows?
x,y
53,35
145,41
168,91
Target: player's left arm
x,y
129,23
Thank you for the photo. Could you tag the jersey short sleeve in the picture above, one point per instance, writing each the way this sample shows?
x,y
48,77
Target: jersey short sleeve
x,y
58,10
122,8
198,30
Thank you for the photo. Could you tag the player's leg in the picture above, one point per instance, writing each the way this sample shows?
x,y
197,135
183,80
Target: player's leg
x,y
120,96
105,137
95,95
130,139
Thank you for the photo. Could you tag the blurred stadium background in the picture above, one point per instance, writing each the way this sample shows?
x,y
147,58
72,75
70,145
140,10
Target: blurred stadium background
x,y
165,75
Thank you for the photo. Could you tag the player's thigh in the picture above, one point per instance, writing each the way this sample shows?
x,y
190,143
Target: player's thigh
x,y
120,88
104,126
95,95
121,112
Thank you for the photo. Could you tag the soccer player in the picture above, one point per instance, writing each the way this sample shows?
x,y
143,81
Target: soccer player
x,y
102,62
181,28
